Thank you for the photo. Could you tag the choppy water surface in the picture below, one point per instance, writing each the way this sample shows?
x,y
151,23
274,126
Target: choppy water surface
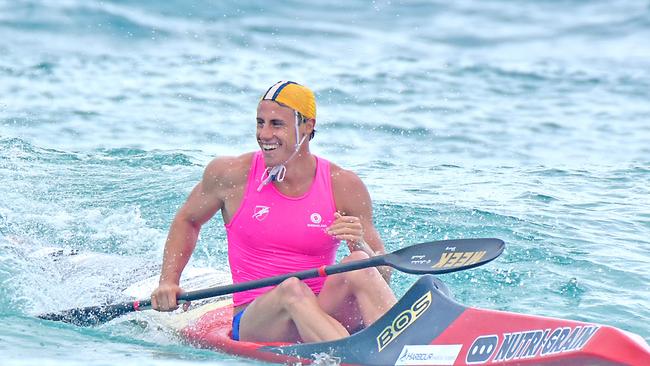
x,y
528,121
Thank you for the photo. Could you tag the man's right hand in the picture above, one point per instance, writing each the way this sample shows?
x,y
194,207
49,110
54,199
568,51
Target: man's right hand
x,y
164,297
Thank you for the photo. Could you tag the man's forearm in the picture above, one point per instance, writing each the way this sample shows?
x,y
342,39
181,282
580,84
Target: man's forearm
x,y
180,244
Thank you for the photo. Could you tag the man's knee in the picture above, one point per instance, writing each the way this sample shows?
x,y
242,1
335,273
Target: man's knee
x,y
293,292
360,277
357,255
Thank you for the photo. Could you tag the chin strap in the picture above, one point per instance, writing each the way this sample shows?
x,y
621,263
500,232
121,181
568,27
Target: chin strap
x,y
278,172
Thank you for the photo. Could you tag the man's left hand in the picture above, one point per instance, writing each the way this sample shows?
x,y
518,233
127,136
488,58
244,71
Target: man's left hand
x,y
350,229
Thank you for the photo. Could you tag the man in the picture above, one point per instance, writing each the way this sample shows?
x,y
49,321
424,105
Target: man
x,y
285,210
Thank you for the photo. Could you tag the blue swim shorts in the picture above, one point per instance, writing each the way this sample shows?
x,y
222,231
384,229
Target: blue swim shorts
x,y
235,325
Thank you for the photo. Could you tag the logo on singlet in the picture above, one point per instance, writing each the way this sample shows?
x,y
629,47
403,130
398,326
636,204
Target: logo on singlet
x,y
260,212
316,220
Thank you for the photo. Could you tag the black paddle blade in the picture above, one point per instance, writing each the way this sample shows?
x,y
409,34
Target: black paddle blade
x,y
445,256
89,316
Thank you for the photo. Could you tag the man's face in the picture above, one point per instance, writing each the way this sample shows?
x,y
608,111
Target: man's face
x,y
276,132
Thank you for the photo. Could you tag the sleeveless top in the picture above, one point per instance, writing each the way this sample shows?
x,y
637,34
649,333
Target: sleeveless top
x,y
272,234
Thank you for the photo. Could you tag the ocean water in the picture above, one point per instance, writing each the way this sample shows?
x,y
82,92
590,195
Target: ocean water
x,y
523,120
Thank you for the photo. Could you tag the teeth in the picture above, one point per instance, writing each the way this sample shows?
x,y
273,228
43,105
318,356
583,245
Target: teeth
x,y
269,147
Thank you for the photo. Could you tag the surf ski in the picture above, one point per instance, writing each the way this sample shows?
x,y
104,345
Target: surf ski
x,y
427,327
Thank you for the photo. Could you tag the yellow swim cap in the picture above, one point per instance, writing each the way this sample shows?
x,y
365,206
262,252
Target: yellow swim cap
x,y
294,96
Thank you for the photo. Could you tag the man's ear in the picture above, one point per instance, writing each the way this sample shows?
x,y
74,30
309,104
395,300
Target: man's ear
x,y
311,124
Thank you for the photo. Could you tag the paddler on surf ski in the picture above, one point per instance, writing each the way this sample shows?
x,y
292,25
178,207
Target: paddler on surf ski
x,y
285,209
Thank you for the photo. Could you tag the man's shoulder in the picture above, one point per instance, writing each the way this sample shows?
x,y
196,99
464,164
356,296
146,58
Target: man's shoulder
x,y
230,168
350,193
344,179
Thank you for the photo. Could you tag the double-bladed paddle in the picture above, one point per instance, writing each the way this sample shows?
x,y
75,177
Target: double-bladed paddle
x,y
435,257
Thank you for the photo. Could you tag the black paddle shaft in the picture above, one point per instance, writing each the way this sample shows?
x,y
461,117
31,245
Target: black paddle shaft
x,y
431,257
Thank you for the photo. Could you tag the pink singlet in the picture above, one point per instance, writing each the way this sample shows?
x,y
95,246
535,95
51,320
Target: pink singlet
x,y
272,234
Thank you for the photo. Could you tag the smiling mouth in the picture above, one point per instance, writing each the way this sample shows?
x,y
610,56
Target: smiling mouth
x,y
269,147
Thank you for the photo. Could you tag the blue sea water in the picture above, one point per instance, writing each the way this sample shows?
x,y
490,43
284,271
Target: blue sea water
x,y
523,120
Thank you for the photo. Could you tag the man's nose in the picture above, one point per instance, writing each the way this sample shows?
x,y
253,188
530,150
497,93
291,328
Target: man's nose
x,y
265,131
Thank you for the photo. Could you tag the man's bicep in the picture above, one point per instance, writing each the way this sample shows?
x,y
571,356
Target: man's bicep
x,y
201,205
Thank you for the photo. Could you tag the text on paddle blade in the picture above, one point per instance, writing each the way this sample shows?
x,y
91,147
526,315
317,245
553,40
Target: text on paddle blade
x,y
458,259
